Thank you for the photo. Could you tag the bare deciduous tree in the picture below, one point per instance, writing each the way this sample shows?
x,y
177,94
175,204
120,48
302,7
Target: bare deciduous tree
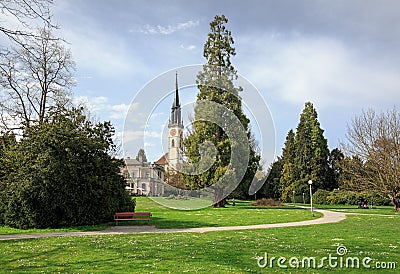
x,y
34,77
374,140
23,12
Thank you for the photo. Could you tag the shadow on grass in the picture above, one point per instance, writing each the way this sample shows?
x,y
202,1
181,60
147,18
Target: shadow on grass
x,y
170,223
164,223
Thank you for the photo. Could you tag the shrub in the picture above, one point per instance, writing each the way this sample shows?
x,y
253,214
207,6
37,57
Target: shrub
x,y
320,196
63,175
348,197
267,202
374,198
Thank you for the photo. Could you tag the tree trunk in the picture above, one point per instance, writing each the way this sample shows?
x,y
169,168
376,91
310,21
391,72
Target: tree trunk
x,y
219,201
396,203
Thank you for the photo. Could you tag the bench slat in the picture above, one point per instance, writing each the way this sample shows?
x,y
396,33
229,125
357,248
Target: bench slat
x,y
132,216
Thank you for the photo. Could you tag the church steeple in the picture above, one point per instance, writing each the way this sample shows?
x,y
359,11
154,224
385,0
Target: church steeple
x,y
176,106
175,135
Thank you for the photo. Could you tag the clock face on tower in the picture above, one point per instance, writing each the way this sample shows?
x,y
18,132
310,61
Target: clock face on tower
x,y
172,132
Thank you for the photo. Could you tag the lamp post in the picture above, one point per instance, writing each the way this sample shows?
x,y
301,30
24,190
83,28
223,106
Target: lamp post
x,y
304,199
293,197
312,209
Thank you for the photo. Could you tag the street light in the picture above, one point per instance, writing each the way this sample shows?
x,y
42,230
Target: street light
x,y
312,209
304,199
293,197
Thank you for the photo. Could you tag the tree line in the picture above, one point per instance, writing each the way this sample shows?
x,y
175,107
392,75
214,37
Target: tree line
x,y
305,157
366,167
368,163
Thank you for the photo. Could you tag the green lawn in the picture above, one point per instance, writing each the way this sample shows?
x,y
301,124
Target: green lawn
x,y
162,217
187,204
384,210
373,236
240,214
9,230
217,252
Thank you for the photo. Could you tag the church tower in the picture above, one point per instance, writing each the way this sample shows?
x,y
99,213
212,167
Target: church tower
x,y
175,131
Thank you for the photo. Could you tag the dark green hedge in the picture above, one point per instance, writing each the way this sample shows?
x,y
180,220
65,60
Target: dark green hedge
x,y
347,197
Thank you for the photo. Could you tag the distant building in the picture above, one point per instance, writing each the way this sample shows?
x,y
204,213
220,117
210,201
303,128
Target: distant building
x,y
145,178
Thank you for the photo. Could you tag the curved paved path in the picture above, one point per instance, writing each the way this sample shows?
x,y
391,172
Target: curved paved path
x,y
328,217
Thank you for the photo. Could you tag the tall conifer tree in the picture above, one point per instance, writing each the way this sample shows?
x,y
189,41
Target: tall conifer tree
x,y
311,160
216,84
288,154
305,156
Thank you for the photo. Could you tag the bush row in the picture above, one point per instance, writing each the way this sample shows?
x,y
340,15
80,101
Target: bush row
x,y
347,197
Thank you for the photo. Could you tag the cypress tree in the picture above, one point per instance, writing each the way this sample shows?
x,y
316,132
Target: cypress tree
x,y
305,156
311,160
288,155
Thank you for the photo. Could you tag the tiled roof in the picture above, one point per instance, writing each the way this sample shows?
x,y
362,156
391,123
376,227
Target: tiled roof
x,y
162,161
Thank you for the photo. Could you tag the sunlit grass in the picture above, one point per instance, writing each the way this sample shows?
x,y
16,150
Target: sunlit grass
x,y
243,213
384,210
10,230
214,252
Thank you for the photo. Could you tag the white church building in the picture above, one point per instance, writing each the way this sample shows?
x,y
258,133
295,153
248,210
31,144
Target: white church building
x,y
146,178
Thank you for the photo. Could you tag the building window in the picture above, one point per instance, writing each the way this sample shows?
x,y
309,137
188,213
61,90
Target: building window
x,y
133,175
173,143
147,175
143,187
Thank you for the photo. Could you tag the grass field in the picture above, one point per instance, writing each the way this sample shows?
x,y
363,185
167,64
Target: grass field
x,y
187,204
240,214
384,210
162,217
374,236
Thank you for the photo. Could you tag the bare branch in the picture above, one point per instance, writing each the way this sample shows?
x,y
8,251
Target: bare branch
x,y
373,151
35,77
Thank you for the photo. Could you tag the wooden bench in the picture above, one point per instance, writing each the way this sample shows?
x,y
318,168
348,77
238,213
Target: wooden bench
x,y
132,216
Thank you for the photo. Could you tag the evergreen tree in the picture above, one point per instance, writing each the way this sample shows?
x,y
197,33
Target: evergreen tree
x,y
141,156
215,84
289,151
311,160
305,157
288,156
335,160
271,187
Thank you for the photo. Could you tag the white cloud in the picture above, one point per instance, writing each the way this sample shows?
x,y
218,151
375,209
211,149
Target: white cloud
x,y
95,48
132,135
100,104
149,145
189,48
97,53
319,69
119,111
136,137
152,134
169,29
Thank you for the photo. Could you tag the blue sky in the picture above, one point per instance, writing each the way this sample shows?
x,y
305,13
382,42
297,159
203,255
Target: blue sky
x,y
343,56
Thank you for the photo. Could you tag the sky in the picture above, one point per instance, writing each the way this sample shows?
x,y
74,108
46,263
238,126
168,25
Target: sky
x,y
342,55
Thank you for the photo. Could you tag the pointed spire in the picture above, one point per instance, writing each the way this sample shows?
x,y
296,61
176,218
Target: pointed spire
x,y
176,106
176,99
